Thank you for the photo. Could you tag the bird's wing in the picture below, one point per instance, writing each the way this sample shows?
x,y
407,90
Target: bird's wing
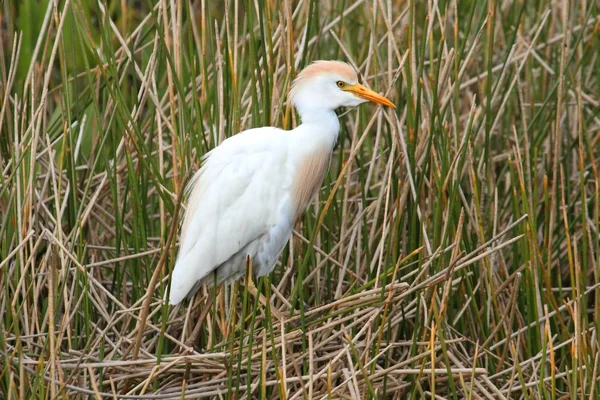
x,y
233,199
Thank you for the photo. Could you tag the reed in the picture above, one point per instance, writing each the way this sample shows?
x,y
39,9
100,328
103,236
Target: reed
x,y
453,251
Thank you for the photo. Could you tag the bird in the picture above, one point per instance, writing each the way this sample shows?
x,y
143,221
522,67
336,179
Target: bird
x,y
243,202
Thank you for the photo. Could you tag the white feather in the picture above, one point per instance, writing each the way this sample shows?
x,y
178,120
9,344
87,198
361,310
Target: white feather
x,y
245,199
238,196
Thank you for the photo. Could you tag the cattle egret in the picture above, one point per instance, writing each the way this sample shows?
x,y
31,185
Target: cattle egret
x,y
245,199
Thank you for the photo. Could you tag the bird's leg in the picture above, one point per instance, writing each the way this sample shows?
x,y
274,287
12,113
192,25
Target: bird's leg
x,y
254,291
250,280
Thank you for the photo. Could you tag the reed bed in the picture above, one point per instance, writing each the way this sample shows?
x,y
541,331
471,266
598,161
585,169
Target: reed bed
x,y
453,251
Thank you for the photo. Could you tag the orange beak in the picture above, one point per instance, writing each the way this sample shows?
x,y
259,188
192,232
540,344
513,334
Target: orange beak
x,y
367,94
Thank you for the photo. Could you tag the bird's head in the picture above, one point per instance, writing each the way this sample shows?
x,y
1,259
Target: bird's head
x,y
327,85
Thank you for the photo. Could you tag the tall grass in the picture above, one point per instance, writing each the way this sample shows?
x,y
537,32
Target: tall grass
x,y
453,251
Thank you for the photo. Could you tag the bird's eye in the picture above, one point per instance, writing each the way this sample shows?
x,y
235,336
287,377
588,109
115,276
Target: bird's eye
x,y
340,84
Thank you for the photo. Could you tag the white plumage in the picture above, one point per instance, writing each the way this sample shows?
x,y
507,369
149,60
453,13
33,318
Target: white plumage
x,y
251,188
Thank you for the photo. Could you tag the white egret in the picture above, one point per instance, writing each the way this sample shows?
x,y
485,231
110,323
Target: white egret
x,y
250,190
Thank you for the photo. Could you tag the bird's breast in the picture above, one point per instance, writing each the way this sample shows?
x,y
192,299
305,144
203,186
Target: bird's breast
x,y
308,179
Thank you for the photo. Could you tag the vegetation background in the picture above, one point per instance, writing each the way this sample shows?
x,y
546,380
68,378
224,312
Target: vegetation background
x,y
453,251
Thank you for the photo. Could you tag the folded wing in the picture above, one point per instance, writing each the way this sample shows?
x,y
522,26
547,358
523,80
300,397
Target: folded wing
x,y
232,201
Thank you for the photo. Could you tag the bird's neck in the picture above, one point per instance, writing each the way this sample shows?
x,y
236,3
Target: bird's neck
x,y
322,122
